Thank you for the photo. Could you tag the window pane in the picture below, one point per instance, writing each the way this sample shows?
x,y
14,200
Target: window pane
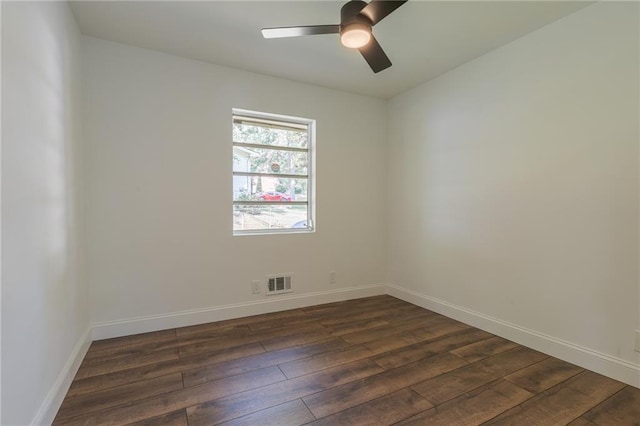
x,y
267,188
269,161
257,217
278,150
257,134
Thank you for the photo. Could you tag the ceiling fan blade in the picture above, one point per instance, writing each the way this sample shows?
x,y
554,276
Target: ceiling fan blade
x,y
300,31
377,10
375,56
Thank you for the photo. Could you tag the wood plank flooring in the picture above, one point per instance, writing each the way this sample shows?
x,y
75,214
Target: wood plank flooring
x,y
373,361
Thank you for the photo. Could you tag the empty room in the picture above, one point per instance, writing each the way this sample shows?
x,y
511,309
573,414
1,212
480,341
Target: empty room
x,y
320,212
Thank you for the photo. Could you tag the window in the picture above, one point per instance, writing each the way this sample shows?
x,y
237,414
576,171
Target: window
x,y
272,173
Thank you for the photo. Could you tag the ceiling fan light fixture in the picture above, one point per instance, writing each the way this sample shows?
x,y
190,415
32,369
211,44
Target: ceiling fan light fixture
x,y
357,17
355,35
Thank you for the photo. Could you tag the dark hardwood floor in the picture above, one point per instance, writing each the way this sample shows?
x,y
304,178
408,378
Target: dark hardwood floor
x,y
373,361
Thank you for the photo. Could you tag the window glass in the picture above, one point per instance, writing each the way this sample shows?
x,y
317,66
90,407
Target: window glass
x,y
272,179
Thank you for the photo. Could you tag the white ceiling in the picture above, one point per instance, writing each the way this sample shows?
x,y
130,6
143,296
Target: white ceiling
x,y
423,39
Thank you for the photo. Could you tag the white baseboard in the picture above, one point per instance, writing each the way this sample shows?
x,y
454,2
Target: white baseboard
x,y
599,362
51,404
108,329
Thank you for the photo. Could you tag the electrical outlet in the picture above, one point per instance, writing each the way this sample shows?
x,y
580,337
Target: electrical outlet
x,y
255,287
637,346
332,277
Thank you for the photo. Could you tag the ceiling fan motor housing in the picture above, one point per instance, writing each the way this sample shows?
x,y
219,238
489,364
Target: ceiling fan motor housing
x,y
350,14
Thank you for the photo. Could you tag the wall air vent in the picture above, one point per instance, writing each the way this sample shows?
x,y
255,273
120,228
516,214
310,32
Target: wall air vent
x,y
277,284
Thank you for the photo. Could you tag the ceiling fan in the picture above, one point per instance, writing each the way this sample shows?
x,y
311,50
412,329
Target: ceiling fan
x,y
356,19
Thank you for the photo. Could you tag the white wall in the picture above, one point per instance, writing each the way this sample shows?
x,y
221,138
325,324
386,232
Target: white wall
x,y
159,186
514,185
45,319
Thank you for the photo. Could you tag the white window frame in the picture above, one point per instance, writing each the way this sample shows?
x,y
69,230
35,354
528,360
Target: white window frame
x,y
310,124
